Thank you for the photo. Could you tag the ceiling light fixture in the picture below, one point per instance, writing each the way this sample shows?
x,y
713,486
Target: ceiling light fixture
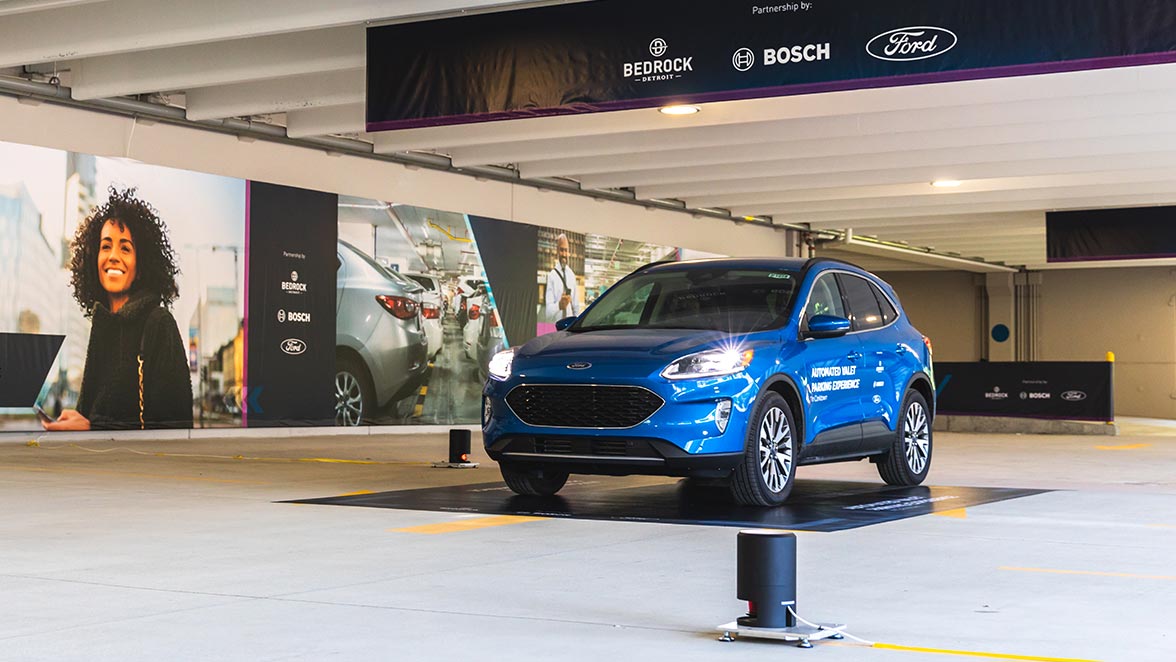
x,y
679,110
946,183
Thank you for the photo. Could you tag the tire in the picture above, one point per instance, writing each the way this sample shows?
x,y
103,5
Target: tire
x,y
768,470
533,482
909,458
355,397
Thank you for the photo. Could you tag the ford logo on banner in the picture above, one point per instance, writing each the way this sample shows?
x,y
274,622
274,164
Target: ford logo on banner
x,y
914,43
1073,396
293,346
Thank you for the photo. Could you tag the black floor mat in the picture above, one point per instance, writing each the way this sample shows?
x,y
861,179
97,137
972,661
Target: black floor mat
x,y
815,505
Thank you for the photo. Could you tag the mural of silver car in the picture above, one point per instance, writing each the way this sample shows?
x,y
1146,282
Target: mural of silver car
x,y
380,344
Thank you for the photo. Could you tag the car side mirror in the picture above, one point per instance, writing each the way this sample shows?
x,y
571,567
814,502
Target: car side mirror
x,y
564,323
828,326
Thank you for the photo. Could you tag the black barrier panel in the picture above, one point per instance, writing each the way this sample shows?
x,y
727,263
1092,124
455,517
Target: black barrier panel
x,y
1079,391
508,254
1110,234
617,54
25,360
815,505
291,305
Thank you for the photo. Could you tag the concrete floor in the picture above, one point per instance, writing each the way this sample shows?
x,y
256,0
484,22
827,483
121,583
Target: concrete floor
x,y
176,550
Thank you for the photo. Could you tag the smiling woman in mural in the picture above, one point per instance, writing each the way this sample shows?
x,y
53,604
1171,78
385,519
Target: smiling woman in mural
x,y
124,278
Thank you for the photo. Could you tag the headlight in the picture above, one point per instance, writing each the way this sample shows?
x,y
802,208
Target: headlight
x,y
712,363
500,365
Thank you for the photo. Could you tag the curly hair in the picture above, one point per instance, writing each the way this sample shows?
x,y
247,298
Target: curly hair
x,y
156,268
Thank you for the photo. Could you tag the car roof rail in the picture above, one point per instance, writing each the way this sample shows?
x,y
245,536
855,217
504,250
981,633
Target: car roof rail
x,y
814,261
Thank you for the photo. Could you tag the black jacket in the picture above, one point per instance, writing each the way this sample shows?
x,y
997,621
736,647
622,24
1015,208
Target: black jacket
x,y
110,382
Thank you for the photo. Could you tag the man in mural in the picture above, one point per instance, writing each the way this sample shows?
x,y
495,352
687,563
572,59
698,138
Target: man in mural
x,y
561,293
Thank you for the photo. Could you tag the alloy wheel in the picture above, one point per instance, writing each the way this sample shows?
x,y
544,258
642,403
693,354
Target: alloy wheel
x,y
916,438
775,449
348,400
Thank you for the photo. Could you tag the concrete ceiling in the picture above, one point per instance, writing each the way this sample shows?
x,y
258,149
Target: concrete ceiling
x,y
860,161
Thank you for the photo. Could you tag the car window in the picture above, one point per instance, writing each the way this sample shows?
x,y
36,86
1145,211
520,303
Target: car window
x,y
824,299
863,306
889,314
424,281
618,311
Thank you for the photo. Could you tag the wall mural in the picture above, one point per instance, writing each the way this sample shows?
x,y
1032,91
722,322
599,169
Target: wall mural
x,y
253,304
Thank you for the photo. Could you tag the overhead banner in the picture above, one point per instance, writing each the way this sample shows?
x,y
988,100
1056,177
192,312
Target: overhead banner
x,y
606,55
1111,234
1080,391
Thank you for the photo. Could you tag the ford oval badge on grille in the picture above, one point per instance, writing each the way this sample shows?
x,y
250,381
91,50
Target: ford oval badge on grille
x,y
579,365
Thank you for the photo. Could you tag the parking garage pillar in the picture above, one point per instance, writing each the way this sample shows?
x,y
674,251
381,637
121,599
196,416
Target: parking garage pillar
x,y
1000,334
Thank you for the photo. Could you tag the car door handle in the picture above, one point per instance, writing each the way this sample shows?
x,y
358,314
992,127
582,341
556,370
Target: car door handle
x,y
854,356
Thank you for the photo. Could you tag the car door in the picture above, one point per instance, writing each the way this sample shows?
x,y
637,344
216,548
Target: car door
x,y
832,388
882,373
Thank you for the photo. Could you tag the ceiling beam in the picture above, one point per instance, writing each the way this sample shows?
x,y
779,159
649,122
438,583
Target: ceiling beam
x,y
325,121
220,63
125,26
278,95
903,175
11,7
1011,189
837,220
911,155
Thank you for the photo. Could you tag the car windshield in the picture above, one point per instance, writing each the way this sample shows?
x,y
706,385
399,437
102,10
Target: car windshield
x,y
719,299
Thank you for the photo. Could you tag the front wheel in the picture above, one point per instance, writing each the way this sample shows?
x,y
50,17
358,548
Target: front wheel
x,y
909,458
765,475
533,482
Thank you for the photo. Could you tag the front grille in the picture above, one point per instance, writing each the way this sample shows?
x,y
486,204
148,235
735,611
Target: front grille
x,y
577,406
557,446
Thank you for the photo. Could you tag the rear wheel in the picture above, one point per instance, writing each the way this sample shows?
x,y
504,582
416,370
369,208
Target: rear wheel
x,y
533,482
909,458
354,395
767,472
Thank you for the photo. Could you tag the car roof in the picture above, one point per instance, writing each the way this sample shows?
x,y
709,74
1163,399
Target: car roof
x,y
765,263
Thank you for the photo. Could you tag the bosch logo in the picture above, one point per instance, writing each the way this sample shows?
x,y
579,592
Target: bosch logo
x,y
658,47
1073,396
292,316
580,365
743,60
914,43
795,54
293,346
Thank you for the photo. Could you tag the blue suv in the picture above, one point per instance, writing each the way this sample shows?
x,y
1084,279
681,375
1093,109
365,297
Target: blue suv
x,y
740,369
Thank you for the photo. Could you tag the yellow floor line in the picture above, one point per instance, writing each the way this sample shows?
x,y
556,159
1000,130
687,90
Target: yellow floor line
x,y
998,656
467,524
424,390
958,513
1089,573
1125,447
130,474
358,493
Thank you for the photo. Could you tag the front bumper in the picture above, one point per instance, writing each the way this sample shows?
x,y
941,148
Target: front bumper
x,y
681,438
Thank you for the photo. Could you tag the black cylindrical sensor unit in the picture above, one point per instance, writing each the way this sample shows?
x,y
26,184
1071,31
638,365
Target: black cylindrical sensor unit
x,y
767,577
459,446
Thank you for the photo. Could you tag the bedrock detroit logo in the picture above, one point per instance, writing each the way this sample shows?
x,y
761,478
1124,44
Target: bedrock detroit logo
x,y
661,68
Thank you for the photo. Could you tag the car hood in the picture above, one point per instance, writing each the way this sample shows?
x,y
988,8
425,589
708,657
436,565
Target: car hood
x,y
620,344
